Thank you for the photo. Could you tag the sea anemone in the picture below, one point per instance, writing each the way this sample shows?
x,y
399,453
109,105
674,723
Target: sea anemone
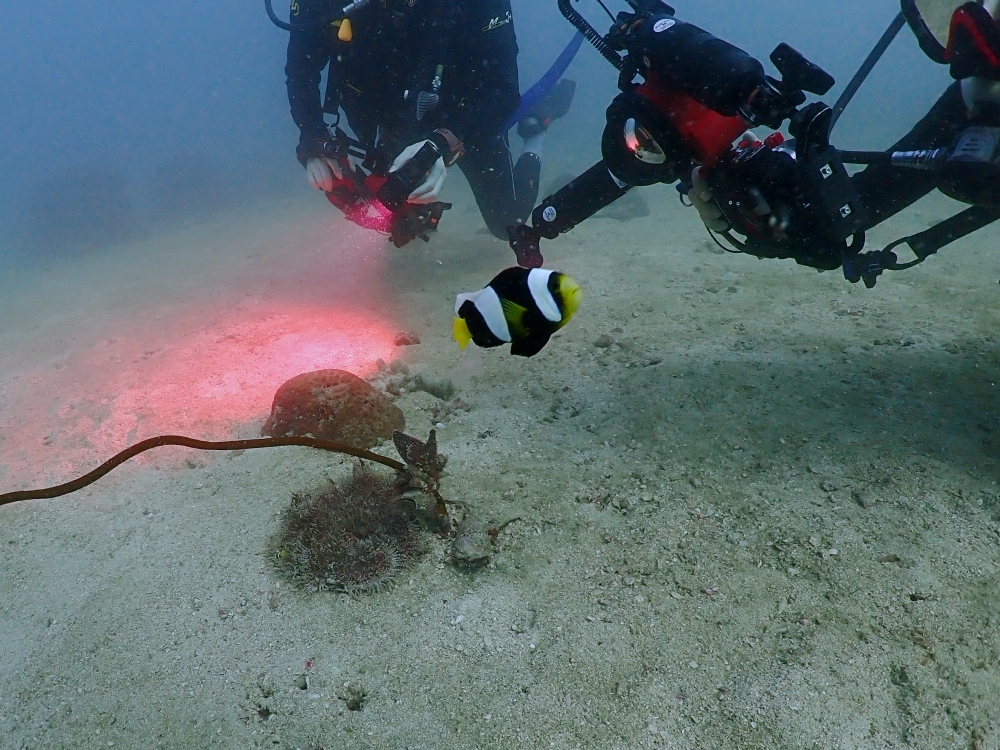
x,y
355,537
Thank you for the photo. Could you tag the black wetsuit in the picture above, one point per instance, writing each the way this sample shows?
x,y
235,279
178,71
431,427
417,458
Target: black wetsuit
x,y
396,47
886,190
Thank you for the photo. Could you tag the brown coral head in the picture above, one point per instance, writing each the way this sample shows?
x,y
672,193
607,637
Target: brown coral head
x,y
333,405
355,538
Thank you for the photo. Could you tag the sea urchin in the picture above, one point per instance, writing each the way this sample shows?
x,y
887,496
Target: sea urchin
x,y
354,537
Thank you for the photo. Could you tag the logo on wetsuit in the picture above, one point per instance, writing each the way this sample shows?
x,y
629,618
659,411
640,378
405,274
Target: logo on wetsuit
x,y
295,7
496,23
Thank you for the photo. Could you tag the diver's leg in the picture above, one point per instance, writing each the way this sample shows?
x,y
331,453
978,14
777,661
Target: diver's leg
x,y
527,173
505,193
887,190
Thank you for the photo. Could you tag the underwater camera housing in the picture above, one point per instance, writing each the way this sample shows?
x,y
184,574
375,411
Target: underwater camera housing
x,y
374,198
791,199
697,95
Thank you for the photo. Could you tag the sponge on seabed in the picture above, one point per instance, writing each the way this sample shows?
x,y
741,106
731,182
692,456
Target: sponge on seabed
x,y
334,405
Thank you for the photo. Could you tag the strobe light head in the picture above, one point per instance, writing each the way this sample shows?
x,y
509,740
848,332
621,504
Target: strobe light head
x,y
639,145
776,101
642,144
798,73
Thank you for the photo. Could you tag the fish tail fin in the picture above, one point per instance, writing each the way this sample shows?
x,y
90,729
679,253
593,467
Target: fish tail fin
x,y
460,330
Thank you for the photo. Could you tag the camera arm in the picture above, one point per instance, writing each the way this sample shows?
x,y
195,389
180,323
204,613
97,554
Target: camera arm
x,y
579,200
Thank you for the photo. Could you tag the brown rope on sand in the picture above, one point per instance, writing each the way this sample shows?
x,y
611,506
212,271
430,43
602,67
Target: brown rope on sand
x,y
204,445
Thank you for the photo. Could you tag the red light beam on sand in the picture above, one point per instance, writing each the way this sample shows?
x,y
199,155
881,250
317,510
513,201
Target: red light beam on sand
x,y
211,383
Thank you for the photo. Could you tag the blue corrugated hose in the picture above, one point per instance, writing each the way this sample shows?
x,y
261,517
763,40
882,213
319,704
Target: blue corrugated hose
x,y
532,96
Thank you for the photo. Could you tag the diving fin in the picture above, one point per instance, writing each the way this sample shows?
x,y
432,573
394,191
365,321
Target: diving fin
x,y
554,105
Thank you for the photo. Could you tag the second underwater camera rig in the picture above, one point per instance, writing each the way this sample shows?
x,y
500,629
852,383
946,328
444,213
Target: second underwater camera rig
x,y
785,199
698,94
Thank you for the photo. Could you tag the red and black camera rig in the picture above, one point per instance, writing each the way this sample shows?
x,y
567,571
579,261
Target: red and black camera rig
x,y
782,198
697,95
371,196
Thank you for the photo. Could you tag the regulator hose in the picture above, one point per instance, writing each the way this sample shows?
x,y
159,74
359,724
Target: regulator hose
x,y
343,13
590,34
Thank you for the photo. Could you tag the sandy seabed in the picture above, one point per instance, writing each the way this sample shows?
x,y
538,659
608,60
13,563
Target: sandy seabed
x,y
763,514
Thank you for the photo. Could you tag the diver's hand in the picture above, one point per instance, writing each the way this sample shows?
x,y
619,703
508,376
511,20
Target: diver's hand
x,y
321,173
701,198
427,191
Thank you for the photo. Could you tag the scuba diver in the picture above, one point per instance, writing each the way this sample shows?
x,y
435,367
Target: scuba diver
x,y
779,198
433,81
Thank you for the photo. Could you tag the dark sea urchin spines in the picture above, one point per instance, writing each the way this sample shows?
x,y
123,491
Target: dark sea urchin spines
x,y
383,566
353,537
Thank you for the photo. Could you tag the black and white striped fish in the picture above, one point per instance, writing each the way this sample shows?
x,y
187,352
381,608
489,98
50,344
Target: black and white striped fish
x,y
521,307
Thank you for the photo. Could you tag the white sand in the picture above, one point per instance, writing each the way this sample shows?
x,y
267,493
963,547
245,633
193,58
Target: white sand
x,y
766,517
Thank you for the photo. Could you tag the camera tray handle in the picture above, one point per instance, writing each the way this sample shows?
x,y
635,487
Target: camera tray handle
x,y
869,266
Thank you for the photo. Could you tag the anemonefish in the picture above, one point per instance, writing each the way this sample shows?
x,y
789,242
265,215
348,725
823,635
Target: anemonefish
x,y
520,307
